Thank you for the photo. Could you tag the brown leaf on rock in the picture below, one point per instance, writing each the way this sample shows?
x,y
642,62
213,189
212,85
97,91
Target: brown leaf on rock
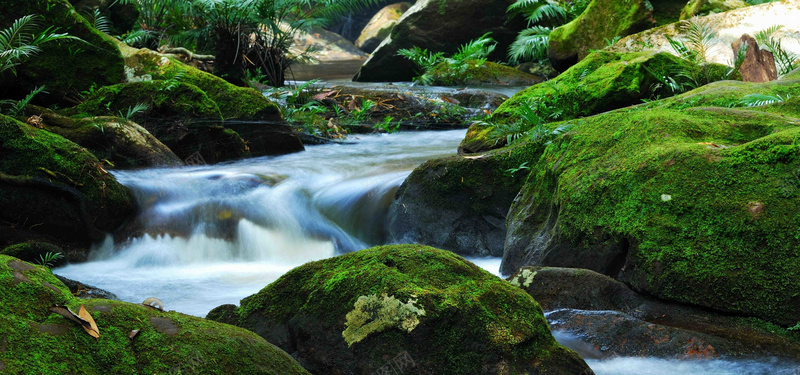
x,y
133,334
91,328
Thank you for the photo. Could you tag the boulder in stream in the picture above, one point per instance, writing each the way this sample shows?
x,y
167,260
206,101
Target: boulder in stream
x,y
380,26
690,199
133,338
427,310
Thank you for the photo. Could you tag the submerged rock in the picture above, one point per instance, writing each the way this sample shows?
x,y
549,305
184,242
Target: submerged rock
x,y
439,25
618,321
133,338
425,309
484,74
66,67
686,199
66,194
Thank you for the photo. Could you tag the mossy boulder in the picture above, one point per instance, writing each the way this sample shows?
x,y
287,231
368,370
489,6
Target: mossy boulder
x,y
686,199
696,8
178,114
440,25
434,310
54,188
602,20
34,251
66,67
484,74
134,339
119,142
246,111
459,203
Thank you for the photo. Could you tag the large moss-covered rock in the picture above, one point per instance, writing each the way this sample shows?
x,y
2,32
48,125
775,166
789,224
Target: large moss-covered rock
x,y
407,304
728,26
481,74
134,339
703,7
178,114
685,199
602,20
121,142
66,68
246,111
459,203
440,25
380,26
52,187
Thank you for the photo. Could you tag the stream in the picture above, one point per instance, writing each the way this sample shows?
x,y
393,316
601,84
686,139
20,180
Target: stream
x,y
211,235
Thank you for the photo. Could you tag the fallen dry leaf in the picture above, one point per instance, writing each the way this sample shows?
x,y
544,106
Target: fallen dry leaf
x,y
133,334
92,329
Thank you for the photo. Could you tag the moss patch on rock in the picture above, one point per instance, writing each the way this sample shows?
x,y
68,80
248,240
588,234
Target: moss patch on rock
x,y
34,340
474,322
64,189
685,199
695,8
602,20
475,73
66,68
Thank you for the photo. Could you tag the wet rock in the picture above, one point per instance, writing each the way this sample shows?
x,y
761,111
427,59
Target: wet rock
x,y
34,251
328,46
194,345
82,290
621,322
380,26
406,304
758,64
481,74
439,25
457,203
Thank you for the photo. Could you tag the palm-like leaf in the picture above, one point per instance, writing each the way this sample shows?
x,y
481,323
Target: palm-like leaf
x,y
531,44
757,100
785,61
21,40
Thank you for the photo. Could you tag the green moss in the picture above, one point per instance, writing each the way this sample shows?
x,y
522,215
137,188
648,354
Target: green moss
x,y
36,341
602,20
234,102
475,73
601,82
465,307
64,67
28,152
706,197
164,100
697,8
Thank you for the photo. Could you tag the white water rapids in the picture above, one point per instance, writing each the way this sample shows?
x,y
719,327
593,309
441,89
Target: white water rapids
x,y
211,235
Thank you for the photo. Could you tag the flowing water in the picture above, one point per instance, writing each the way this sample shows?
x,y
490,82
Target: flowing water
x,y
212,235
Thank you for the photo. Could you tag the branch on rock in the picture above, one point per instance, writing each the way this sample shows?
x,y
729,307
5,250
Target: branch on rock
x,y
185,52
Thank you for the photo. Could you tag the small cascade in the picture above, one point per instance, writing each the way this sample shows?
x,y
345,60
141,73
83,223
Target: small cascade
x,y
210,235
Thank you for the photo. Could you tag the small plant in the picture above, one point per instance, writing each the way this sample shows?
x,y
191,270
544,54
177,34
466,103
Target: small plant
x,y
133,111
173,82
796,327
473,52
20,41
388,125
532,43
512,171
97,20
49,259
17,107
757,100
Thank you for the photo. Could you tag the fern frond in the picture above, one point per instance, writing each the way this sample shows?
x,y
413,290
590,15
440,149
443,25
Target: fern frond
x,y
757,100
523,5
532,43
97,20
475,49
551,10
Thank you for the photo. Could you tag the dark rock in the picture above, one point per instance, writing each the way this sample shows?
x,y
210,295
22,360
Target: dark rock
x,y
481,99
223,314
33,251
758,64
619,321
360,312
457,203
440,25
380,26
81,290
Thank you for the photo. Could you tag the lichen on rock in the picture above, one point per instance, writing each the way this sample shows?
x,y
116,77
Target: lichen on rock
x,y
375,314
